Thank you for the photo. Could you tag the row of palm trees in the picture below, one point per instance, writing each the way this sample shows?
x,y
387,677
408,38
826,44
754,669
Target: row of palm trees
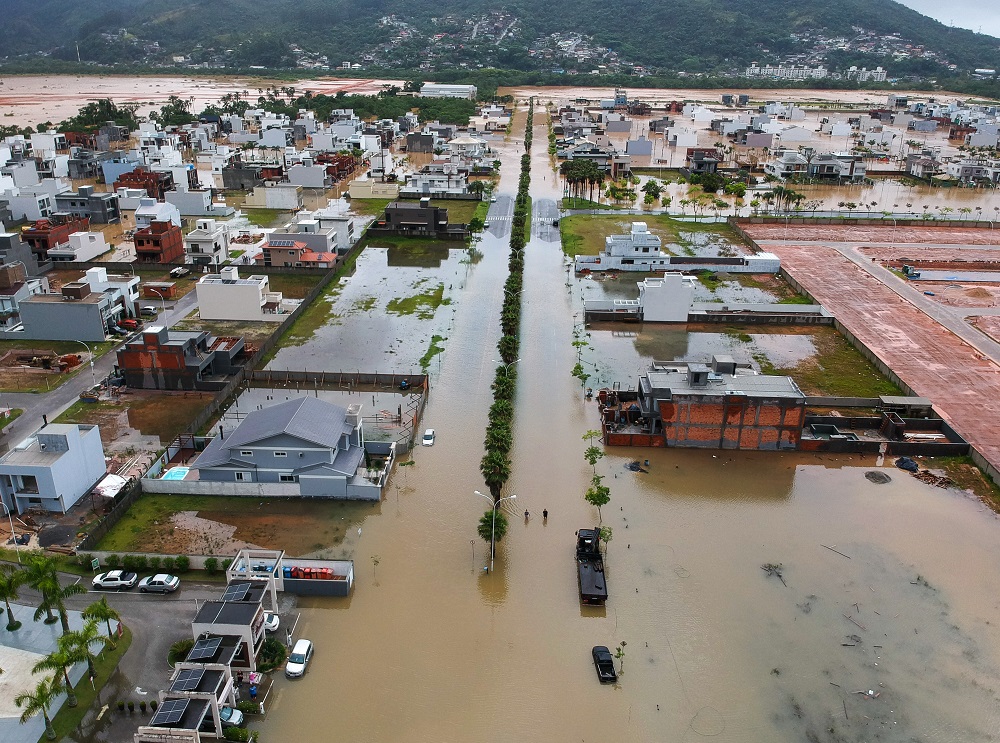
x,y
72,647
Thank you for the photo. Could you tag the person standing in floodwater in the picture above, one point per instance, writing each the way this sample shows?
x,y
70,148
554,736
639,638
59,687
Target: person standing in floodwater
x,y
526,514
545,514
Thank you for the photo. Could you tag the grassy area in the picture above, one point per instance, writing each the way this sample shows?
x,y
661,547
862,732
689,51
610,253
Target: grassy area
x,y
234,254
433,350
482,210
460,211
369,207
293,286
837,369
67,720
265,217
967,476
527,222
583,234
12,416
423,305
163,414
585,204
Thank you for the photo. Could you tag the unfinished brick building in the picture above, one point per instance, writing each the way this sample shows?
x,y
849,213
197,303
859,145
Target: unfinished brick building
x,y
161,242
696,405
45,234
164,359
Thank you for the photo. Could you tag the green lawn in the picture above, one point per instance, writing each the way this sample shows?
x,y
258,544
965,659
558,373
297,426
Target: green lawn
x,y
265,217
293,286
68,719
369,207
423,305
583,234
574,203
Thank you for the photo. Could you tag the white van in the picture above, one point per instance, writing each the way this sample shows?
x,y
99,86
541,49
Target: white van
x,y
298,659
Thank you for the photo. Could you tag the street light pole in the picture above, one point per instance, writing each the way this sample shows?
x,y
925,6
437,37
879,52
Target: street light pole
x,y
93,374
493,531
506,367
13,536
163,302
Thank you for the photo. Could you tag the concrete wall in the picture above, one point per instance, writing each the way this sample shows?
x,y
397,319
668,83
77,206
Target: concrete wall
x,y
732,422
61,321
231,302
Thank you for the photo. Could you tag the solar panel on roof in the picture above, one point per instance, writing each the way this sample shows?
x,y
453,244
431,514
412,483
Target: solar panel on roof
x,y
189,678
282,243
170,712
236,592
205,648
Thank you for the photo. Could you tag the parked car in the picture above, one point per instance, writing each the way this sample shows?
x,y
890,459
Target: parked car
x,y
148,310
231,718
486,224
271,621
115,580
298,659
493,199
428,439
604,663
162,582
179,271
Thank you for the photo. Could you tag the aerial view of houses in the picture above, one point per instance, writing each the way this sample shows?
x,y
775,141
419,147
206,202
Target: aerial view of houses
x,y
712,318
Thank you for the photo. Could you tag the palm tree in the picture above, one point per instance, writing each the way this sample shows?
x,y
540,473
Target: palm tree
x,y
83,640
101,611
495,468
60,660
43,577
10,581
38,701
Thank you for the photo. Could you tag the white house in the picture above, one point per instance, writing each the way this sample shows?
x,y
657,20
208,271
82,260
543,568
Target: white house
x,y
207,244
225,296
283,196
53,468
151,210
661,299
637,251
446,90
82,246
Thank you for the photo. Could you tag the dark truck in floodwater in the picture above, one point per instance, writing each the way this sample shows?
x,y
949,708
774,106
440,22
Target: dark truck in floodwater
x,y
590,566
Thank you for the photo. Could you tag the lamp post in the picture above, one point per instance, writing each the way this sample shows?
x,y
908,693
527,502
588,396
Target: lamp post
x,y
13,536
493,531
506,367
163,302
93,374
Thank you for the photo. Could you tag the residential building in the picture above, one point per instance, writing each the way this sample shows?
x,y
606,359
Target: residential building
x,y
369,188
116,166
787,164
722,406
53,468
445,90
311,442
435,185
79,312
155,183
46,234
637,251
160,242
15,287
99,207
150,210
240,614
864,75
319,236
165,359
294,253
82,246
782,72
225,296
840,166
84,163
417,218
196,202
283,196
207,244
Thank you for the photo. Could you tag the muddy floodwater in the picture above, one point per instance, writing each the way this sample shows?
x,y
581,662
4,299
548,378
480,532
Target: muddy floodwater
x,y
889,590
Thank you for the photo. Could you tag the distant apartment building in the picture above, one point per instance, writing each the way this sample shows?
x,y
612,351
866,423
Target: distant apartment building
x,y
864,75
447,90
160,242
782,72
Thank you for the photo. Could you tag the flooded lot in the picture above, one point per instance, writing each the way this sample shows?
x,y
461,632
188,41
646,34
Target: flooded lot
x,y
715,648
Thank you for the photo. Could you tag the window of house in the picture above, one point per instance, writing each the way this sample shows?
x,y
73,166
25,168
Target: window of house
x,y
287,478
246,453
243,476
281,454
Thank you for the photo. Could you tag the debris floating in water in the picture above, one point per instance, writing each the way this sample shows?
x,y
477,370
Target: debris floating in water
x,y
635,467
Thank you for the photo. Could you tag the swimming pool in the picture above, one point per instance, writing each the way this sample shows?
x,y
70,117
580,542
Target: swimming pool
x,y
176,473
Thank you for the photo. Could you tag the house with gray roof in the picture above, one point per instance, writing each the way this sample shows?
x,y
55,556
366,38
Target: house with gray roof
x,y
308,445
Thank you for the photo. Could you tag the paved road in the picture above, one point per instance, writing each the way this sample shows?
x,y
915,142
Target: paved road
x,y
53,403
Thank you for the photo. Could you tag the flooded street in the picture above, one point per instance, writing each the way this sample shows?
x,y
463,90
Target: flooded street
x,y
429,647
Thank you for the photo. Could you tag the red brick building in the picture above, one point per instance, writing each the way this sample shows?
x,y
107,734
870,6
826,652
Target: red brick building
x,y
155,183
161,242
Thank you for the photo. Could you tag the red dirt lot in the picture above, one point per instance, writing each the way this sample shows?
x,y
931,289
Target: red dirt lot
x,y
848,233
935,363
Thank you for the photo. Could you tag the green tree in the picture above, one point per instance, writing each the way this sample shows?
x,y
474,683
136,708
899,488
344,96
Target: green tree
x,y
38,701
598,495
65,656
11,579
43,576
485,527
84,641
102,612
495,468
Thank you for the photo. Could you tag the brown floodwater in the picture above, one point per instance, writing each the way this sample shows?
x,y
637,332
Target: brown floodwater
x,y
430,647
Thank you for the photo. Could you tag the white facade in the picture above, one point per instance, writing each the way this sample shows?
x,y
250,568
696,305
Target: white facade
x,y
444,90
637,251
283,196
53,468
207,244
225,296
82,246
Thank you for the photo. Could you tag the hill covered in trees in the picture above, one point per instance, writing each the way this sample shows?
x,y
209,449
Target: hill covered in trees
x,y
696,36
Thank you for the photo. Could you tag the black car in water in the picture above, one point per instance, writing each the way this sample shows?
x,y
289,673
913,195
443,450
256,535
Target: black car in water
x,y
605,664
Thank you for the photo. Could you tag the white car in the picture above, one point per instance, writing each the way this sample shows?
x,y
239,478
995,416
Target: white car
x,y
493,199
162,582
298,659
115,580
271,621
428,439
